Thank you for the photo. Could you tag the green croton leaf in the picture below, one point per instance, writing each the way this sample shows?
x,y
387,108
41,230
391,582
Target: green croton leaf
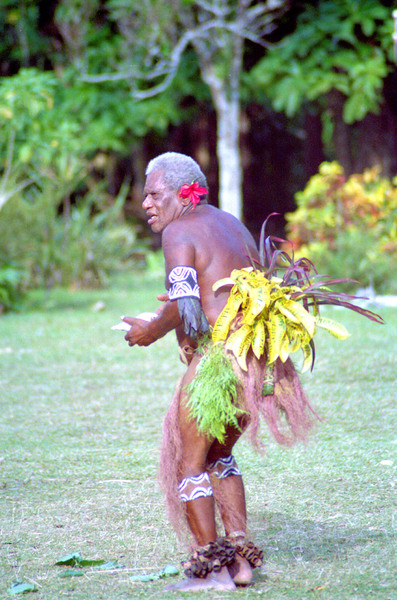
x,y
71,573
167,571
73,560
22,588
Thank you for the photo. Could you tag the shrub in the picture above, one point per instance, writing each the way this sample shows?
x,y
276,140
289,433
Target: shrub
x,y
348,226
80,249
11,287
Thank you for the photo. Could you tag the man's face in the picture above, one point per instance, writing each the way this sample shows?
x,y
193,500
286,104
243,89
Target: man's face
x,y
161,204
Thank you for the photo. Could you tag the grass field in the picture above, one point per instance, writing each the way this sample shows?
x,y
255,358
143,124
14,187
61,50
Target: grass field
x,y
80,426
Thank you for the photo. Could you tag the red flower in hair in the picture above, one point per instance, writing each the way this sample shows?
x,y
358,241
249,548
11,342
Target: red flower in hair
x,y
193,192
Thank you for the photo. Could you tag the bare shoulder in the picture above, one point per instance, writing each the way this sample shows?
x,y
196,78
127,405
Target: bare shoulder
x,y
177,229
208,230
188,229
206,218
213,222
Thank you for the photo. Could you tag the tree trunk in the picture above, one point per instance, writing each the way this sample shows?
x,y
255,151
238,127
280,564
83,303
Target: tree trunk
x,y
228,149
341,134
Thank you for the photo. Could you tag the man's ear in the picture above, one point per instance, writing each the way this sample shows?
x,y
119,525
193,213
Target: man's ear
x,y
183,201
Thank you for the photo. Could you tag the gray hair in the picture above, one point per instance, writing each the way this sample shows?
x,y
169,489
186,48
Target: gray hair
x,y
178,170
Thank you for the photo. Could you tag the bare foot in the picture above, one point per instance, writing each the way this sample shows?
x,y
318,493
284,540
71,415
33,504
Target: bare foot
x,y
218,581
240,571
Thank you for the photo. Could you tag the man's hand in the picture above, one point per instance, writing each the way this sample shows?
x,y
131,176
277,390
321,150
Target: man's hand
x,y
141,332
144,333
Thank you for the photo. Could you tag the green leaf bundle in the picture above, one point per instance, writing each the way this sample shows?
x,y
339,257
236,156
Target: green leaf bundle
x,y
213,394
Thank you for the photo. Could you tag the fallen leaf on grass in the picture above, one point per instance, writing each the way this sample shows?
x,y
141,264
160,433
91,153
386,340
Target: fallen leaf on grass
x,y
75,560
168,571
22,588
71,573
92,563
111,564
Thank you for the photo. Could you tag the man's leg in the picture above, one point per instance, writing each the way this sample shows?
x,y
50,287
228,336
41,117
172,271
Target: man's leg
x,y
196,493
229,494
227,482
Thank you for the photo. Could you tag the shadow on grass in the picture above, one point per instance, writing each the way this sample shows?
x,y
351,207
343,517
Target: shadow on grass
x,y
287,538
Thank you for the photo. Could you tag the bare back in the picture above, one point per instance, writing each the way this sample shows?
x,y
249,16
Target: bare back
x,y
214,243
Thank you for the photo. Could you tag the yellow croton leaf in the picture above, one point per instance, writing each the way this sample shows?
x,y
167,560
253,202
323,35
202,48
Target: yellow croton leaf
x,y
221,327
336,329
237,340
242,357
282,305
284,349
222,282
257,301
304,318
307,357
276,327
295,338
258,338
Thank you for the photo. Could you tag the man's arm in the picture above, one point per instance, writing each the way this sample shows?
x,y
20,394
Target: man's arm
x,y
182,278
177,251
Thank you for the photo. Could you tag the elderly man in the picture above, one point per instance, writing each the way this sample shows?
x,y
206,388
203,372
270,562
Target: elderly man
x,y
201,245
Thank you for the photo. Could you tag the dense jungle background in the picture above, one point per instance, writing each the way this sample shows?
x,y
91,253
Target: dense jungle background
x,y
288,106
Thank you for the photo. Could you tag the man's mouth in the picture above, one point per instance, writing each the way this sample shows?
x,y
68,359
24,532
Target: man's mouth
x,y
152,219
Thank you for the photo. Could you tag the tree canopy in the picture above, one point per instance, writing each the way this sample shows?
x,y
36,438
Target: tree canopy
x,y
320,58
344,46
259,92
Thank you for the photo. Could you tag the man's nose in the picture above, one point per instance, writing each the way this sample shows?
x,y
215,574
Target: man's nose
x,y
147,203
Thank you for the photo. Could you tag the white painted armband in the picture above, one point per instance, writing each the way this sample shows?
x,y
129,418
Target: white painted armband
x,y
184,283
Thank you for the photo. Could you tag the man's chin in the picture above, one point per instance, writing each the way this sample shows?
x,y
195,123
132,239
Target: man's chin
x,y
156,227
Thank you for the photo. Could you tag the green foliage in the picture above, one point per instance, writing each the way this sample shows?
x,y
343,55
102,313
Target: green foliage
x,y
106,115
11,286
20,39
349,225
60,118
76,560
26,100
357,256
154,263
79,249
213,393
336,45
49,130
41,142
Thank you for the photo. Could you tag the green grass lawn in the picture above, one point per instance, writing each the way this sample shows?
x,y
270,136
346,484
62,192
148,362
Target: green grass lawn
x,y
80,427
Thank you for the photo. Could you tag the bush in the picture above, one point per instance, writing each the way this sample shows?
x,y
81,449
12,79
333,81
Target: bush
x,y
80,249
348,226
11,287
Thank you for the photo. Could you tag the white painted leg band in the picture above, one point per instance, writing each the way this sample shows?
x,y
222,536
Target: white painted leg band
x,y
198,486
224,467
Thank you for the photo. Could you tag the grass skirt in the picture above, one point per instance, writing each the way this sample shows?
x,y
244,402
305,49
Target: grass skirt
x,y
286,412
